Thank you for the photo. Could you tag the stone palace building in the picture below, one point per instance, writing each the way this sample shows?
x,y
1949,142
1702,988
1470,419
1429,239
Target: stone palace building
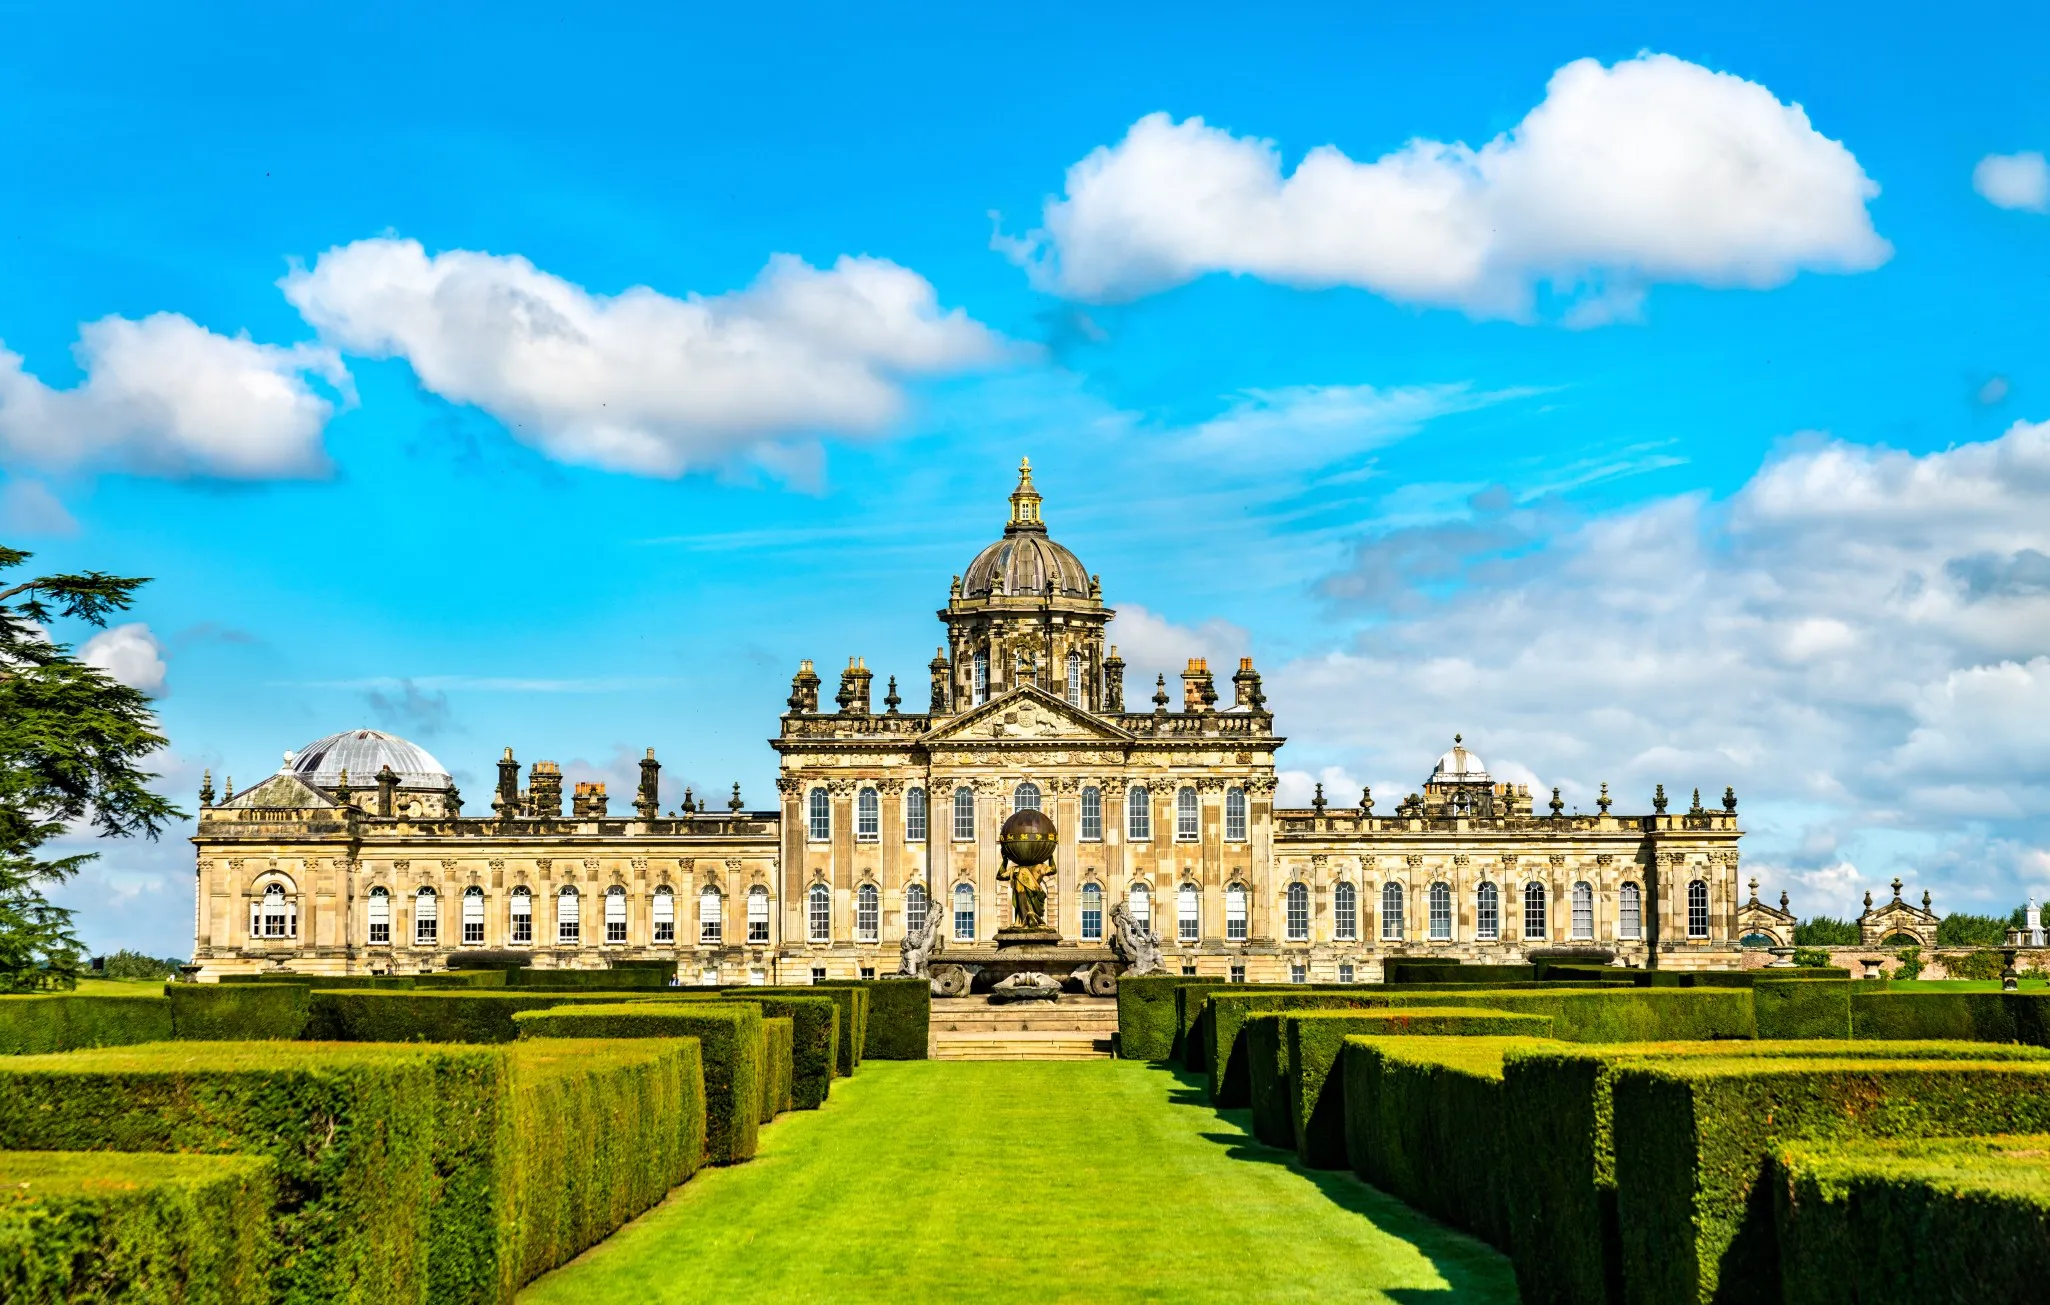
x,y
356,856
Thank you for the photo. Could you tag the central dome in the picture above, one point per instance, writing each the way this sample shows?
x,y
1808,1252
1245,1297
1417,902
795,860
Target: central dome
x,y
363,753
1025,563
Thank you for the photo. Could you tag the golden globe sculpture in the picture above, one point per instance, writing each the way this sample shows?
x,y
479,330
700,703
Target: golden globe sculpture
x,y
1027,840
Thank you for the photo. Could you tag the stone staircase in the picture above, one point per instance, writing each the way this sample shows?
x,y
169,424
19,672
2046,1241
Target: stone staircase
x,y
1073,1028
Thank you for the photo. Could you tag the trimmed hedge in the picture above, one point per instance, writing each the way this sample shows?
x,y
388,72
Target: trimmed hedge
x,y
256,1012
322,980
1307,1093
1803,1008
1402,972
1146,1016
623,980
461,979
1692,1138
66,1021
1222,1023
1564,1238
1191,999
1878,1223
480,1016
815,1040
776,1050
898,1025
148,1229
853,1002
1425,1121
1978,1016
730,1043
1582,974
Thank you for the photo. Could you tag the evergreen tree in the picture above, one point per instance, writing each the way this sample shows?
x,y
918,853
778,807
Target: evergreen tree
x,y
71,738
1826,931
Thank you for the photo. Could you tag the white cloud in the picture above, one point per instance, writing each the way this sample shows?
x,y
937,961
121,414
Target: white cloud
x,y
128,653
2014,181
1153,646
1653,170
165,396
1310,425
27,507
643,382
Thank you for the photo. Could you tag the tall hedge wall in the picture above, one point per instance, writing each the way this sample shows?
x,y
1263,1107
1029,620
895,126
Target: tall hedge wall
x,y
1146,1018
1191,1001
484,1015
1400,971
324,980
1692,1139
1803,1008
103,1226
253,1012
622,980
899,1019
1933,1012
815,1039
1223,1019
66,1021
852,998
776,1047
1901,1223
730,1043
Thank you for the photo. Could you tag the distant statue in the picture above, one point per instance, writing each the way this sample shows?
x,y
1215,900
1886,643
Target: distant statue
x,y
1028,893
915,953
1133,943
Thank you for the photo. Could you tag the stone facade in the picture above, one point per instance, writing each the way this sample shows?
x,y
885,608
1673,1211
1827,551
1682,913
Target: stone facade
x,y
886,813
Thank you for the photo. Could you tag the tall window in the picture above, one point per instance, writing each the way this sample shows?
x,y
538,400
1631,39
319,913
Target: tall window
x,y
1235,913
1697,909
615,914
663,913
818,913
1391,912
868,816
1235,815
273,916
1186,822
1534,910
757,915
1026,798
964,814
711,917
819,825
1298,913
1092,913
915,905
981,678
1188,913
868,913
380,916
964,913
1140,902
1440,902
1487,913
1630,913
1583,910
1092,814
1345,912
568,927
473,916
426,919
523,916
1138,815
1075,678
914,815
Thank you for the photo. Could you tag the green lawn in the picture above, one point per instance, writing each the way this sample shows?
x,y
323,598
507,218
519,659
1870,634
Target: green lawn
x,y
1048,1181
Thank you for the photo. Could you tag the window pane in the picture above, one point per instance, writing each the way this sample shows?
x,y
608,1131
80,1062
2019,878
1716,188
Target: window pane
x,y
964,913
1188,914
1391,912
522,916
819,917
914,815
1630,915
758,915
964,814
1298,912
819,826
615,915
1235,815
711,917
1441,912
1138,816
1583,911
1092,814
1140,900
1075,678
426,918
868,816
867,913
1235,913
663,913
568,929
1345,912
1185,816
981,678
1026,798
914,908
1697,909
380,916
1487,915
473,916
1533,910
1092,913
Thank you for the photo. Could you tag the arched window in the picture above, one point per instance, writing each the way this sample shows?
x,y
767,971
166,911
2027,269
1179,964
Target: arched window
x,y
964,814
1139,900
1391,912
711,917
1534,910
914,815
868,816
1345,912
1298,913
568,923
1138,815
868,913
1235,913
1092,814
819,825
380,917
615,914
1026,798
274,916
758,915
1092,913
1697,909
964,913
473,916
981,678
663,912
1583,910
915,905
1187,823
1075,678
1439,898
1630,913
1487,913
426,918
1235,815
818,913
1188,913
523,916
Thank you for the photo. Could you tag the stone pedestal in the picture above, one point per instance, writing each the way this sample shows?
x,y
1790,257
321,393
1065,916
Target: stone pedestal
x,y
1018,935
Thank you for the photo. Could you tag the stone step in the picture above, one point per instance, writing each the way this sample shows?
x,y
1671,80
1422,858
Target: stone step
x,y
1020,1046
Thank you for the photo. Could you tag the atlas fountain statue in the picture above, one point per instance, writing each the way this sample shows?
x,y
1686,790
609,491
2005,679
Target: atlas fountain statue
x,y
1029,961
1027,842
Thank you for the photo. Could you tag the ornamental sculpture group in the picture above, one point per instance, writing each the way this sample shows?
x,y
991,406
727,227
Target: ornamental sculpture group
x,y
1028,947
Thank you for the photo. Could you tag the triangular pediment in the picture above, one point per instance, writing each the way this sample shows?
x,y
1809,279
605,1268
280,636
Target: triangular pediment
x,y
281,792
1028,714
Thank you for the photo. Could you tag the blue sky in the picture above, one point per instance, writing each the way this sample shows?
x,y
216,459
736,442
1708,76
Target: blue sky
x,y
1675,436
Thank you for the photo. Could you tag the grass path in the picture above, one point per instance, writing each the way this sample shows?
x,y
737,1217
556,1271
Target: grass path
x,y
1034,1181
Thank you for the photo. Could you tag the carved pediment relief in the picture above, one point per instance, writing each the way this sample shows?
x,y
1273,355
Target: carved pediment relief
x,y
1029,715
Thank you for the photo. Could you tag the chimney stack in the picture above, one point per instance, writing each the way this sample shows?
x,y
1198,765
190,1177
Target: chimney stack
x,y
854,692
1199,688
588,803
804,690
544,791
648,802
1245,687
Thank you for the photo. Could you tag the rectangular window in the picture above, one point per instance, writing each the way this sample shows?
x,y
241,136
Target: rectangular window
x,y
757,917
1238,974
473,919
426,921
664,916
567,927
1092,913
523,919
380,920
1188,969
1298,913
1583,912
820,915
615,917
1187,819
818,974
964,815
1697,909
1630,918
868,973
914,816
1345,971
1188,916
1487,915
1092,815
1138,816
711,919
1235,815
1441,913
867,914
868,817
1298,972
1235,915
819,817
